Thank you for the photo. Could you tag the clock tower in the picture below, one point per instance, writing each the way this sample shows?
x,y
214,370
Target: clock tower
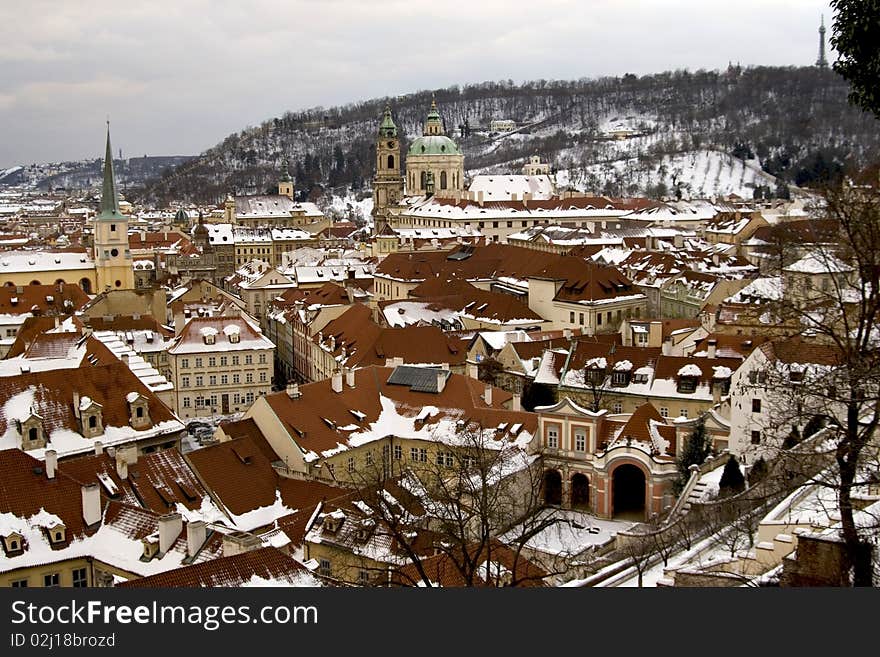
x,y
113,267
387,183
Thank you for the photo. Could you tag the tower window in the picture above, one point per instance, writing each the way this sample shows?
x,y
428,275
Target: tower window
x,y
114,252
112,228
442,180
390,161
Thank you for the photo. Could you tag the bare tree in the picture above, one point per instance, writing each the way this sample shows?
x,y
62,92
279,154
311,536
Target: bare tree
x,y
478,500
831,304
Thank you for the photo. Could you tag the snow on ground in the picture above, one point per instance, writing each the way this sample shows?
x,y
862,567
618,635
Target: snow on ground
x,y
577,532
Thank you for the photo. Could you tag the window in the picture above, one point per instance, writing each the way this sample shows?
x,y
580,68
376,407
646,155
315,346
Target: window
x,y
398,452
756,437
235,360
200,381
112,228
19,584
224,379
249,359
414,454
223,361
664,412
212,362
93,421
249,377
184,382
598,319
186,402
139,411
349,465
51,580
198,362
619,378
249,398
581,319
80,580
423,455
617,407
756,406
184,363
262,377
262,359
324,567
212,380
580,440
552,437
571,317
683,412
450,459
236,378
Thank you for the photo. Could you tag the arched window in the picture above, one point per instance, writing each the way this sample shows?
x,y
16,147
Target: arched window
x,y
139,411
93,421
86,285
424,180
33,433
442,180
390,161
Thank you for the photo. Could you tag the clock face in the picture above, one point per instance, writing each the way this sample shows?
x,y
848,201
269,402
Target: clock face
x,y
390,144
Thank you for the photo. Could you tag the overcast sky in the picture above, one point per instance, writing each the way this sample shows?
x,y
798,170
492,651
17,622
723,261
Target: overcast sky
x,y
177,76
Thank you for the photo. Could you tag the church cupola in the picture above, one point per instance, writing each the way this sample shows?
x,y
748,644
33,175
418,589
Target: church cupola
x,y
433,122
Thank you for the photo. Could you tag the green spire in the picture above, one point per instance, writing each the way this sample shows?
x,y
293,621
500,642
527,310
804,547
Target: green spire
x,y
387,129
109,198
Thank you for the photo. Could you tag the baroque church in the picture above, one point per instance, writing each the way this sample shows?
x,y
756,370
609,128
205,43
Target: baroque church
x,y
434,162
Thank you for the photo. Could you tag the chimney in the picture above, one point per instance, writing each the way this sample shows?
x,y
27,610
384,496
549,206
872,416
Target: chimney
x,y
170,526
336,381
99,448
473,371
121,466
349,377
441,380
480,197
76,404
487,395
517,403
91,503
195,536
293,390
716,392
667,347
712,345
566,333
51,463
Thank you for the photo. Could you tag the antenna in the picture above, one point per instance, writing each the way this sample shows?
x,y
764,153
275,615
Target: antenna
x,y
822,62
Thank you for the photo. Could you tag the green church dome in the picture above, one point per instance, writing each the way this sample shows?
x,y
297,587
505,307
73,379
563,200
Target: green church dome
x,y
434,145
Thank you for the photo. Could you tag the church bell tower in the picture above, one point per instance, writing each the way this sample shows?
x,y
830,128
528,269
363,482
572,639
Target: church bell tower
x,y
387,183
113,266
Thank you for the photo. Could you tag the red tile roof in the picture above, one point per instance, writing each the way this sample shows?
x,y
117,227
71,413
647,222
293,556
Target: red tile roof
x,y
59,299
267,563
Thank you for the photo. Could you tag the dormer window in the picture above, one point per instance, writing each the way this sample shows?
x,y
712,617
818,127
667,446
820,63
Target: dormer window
x,y
233,338
13,544
56,534
91,418
151,546
210,338
32,434
687,384
620,378
138,411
